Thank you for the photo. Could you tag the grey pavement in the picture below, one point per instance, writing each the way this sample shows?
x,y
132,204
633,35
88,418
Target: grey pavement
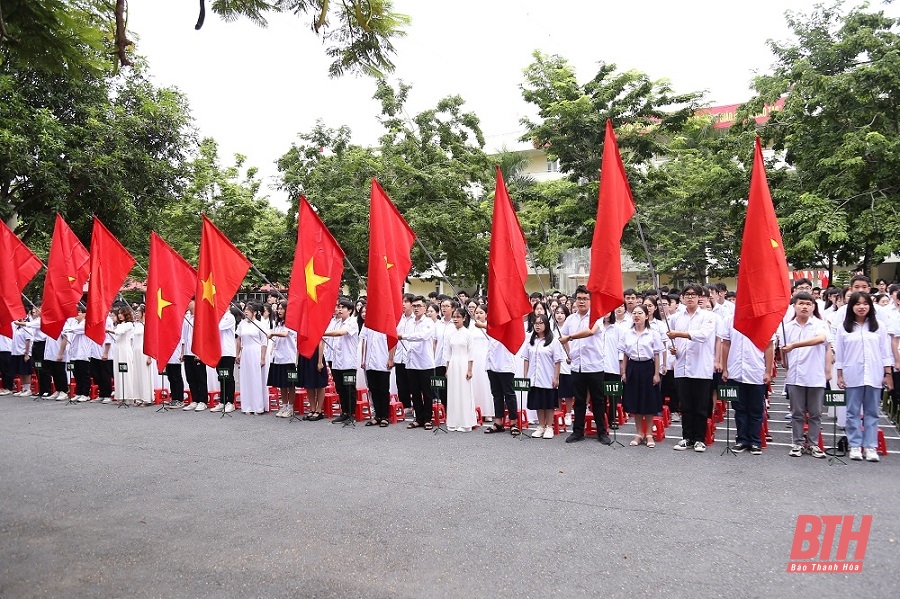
x,y
103,502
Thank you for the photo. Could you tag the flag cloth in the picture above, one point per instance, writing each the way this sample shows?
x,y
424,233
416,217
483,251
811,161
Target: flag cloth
x,y
110,264
15,273
315,280
171,283
615,207
390,241
221,271
763,291
68,268
507,271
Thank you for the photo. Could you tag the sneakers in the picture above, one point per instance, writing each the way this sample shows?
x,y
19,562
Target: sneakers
x,y
796,451
22,393
755,450
604,439
176,404
220,407
682,445
190,407
83,398
575,437
106,400
548,433
200,406
229,408
815,452
739,447
700,447
61,396
280,413
5,392
872,455
538,432
341,418
567,419
856,454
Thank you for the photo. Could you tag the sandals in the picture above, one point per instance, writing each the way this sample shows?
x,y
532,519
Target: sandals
x,y
636,441
429,426
494,428
413,425
372,422
649,441
377,422
383,423
514,431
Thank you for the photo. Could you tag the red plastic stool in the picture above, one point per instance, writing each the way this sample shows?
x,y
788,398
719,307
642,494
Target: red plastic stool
x,y
589,427
522,420
666,416
821,441
719,411
438,414
710,431
478,417
237,400
95,391
300,401
559,421
620,414
17,383
882,446
160,395
212,398
363,407
330,400
396,411
659,428
763,432
72,387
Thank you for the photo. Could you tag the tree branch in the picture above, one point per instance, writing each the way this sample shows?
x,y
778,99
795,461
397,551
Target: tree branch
x,y
122,41
4,34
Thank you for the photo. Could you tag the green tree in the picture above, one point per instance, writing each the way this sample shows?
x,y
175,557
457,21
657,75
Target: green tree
x,y
840,133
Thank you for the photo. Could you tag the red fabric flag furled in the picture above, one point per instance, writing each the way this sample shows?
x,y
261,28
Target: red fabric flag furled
x,y
507,272
171,283
68,268
615,207
110,264
390,242
763,292
315,280
17,267
221,271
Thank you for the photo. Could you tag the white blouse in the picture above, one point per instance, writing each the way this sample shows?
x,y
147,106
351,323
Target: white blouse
x,y
862,355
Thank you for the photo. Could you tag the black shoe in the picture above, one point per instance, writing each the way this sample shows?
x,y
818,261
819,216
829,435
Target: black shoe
x,y
604,438
756,450
575,437
341,418
739,447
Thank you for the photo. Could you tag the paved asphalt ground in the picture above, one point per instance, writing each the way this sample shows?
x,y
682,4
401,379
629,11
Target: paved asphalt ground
x,y
103,502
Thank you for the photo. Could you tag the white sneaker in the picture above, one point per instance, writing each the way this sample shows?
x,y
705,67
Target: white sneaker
x,y
288,413
83,398
538,432
856,453
22,393
567,420
872,455
220,407
190,407
229,408
699,447
5,392
796,451
200,406
59,396
106,400
682,445
548,432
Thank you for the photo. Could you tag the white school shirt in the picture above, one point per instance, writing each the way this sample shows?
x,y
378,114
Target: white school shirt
x,y
442,328
882,314
639,346
345,355
500,359
402,327
586,354
612,357
419,340
694,357
862,355
80,346
376,349
328,353
746,362
5,343
806,365
724,310
541,360
21,335
285,348
187,334
227,334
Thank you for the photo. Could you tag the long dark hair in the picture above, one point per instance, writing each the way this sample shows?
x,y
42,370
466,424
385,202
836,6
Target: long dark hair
x,y
850,317
532,316
279,321
548,332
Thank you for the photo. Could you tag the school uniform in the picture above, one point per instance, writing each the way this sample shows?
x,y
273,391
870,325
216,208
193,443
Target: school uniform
x,y
419,340
746,367
378,375
805,379
542,359
404,394
639,395
501,371
194,369
588,367
694,366
345,361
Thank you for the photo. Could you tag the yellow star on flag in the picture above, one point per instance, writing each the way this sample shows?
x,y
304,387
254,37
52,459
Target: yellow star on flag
x,y
71,279
161,303
209,290
313,280
774,243
388,264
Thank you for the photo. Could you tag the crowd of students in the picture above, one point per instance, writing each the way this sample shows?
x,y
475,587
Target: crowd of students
x,y
659,345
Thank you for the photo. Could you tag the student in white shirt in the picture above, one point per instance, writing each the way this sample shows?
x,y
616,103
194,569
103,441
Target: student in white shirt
x,y
863,360
344,360
807,358
543,355
751,370
640,346
284,362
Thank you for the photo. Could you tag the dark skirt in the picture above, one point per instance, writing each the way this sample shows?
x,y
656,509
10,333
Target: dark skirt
x,y
639,395
308,374
278,376
566,390
542,399
20,366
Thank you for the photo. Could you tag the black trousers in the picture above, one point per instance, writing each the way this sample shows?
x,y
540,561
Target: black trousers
x,y
102,372
380,391
176,383
345,392
503,394
195,370
226,382
6,374
439,393
422,394
56,371
44,378
81,372
584,383
403,392
694,396
669,390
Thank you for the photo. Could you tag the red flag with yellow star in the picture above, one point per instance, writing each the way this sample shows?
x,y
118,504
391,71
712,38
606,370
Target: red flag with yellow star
x,y
763,292
220,273
68,268
390,241
17,267
315,279
110,264
171,283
